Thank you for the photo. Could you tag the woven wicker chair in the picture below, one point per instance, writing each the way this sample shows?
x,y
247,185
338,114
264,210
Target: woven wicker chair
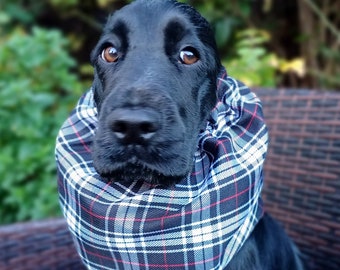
x,y
302,170
40,245
302,188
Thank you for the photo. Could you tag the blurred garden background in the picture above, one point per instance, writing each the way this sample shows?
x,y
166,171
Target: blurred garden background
x,y
44,68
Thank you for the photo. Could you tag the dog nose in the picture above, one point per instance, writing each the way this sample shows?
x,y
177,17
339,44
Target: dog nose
x,y
134,126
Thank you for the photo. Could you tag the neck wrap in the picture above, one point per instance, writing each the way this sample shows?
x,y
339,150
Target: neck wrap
x,y
200,223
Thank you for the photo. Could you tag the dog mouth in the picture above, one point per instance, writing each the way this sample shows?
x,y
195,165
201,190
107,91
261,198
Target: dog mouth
x,y
158,162
135,170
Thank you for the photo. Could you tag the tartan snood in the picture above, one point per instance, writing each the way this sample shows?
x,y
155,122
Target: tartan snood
x,y
200,223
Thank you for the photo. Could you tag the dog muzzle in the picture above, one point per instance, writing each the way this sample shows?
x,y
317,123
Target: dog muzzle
x,y
199,223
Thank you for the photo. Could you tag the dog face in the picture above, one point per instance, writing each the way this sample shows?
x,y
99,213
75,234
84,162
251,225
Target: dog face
x,y
156,66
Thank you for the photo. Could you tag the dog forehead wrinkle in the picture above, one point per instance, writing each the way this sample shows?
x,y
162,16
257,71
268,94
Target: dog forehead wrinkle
x,y
152,19
118,27
175,30
143,14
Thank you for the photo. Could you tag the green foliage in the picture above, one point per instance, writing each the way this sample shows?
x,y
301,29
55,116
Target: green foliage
x,y
243,48
37,91
253,64
20,11
224,26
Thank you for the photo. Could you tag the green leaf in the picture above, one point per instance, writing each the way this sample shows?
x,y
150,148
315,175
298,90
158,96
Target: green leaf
x,y
37,91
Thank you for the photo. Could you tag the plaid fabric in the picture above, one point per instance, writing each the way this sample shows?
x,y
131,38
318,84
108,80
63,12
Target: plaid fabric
x,y
199,223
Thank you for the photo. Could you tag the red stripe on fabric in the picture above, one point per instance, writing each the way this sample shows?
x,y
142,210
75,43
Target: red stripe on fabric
x,y
162,227
157,266
92,203
254,113
78,135
253,116
233,175
201,171
221,78
156,218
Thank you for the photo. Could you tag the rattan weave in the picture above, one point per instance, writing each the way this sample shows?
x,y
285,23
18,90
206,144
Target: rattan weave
x,y
302,170
40,245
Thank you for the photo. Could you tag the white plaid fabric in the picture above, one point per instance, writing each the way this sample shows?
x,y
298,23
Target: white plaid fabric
x,y
200,223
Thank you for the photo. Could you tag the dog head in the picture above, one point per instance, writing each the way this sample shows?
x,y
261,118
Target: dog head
x,y
156,65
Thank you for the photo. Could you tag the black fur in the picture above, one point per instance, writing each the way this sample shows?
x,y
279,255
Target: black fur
x,y
148,79
267,248
152,106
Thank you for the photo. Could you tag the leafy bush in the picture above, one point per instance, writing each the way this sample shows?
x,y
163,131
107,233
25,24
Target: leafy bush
x,y
37,91
253,64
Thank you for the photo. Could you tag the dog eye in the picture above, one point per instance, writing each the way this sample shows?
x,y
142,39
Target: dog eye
x,y
110,54
188,56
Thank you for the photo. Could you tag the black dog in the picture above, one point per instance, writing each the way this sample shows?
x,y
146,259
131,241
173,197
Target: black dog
x,y
154,91
154,88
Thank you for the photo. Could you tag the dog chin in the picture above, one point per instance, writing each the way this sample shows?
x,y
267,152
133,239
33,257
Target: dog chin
x,y
133,172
